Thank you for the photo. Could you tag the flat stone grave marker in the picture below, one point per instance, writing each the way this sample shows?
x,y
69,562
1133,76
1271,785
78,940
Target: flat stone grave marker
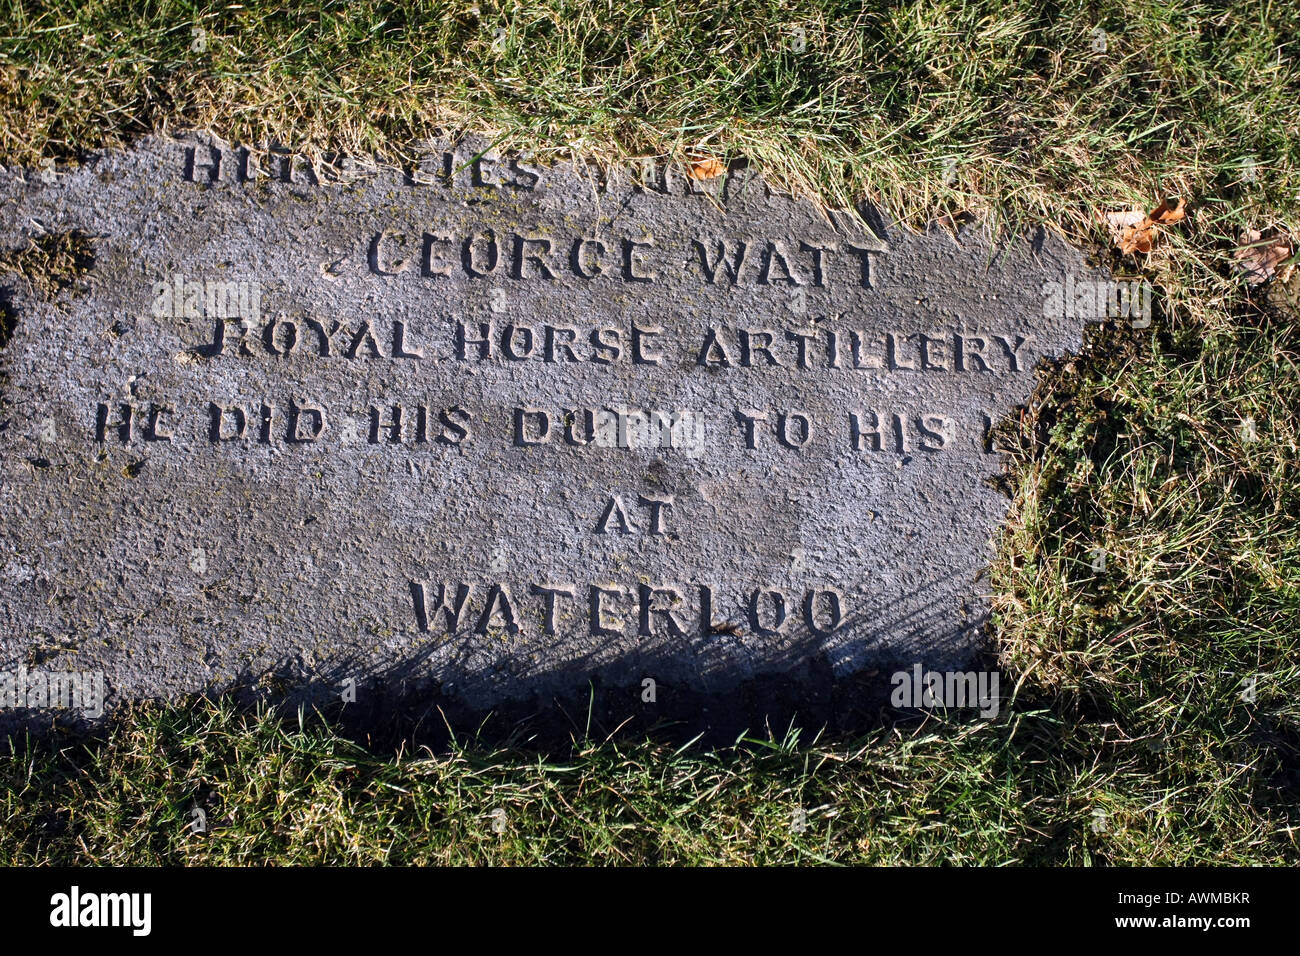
x,y
488,431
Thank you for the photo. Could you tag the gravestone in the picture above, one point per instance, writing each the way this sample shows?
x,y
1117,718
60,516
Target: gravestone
x,y
492,432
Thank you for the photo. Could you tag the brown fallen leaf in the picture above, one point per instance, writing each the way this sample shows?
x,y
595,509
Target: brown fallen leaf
x,y
1135,231
1258,255
1166,214
706,167
1131,231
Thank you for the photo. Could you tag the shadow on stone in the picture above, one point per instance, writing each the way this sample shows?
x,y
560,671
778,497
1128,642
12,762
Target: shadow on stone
x,y
796,687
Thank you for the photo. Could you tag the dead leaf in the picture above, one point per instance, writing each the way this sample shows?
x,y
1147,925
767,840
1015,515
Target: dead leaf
x,y
1258,255
1171,210
706,167
1131,231
1135,232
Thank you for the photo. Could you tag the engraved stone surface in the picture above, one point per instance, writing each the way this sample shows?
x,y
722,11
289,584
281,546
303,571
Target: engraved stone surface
x,y
492,431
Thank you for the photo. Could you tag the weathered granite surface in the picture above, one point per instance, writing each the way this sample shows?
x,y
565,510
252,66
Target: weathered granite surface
x,y
199,483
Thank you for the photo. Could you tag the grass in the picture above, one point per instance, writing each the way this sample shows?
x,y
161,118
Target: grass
x,y
1156,715
1028,790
